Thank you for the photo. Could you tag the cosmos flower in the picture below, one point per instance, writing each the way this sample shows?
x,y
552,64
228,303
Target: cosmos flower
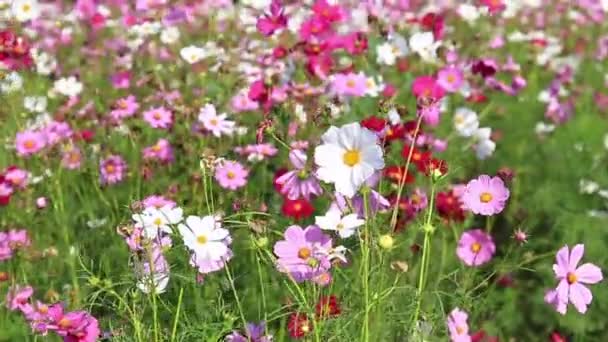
x,y
298,182
572,279
348,156
158,117
112,170
465,122
458,326
231,175
205,237
485,195
28,143
154,220
345,226
214,123
304,253
475,247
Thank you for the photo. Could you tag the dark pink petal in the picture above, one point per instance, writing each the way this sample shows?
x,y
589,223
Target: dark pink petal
x,y
589,274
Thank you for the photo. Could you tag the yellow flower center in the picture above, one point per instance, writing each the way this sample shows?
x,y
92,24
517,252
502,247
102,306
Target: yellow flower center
x,y
304,253
458,119
350,83
485,197
340,226
451,78
64,323
460,330
230,175
213,122
26,8
475,247
158,221
29,144
122,104
297,207
571,278
157,116
201,239
351,157
110,168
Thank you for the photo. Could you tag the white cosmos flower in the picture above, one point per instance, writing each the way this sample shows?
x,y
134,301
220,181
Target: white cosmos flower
x,y
35,104
465,122
159,282
424,44
193,54
215,123
204,237
386,54
345,226
153,219
169,35
373,87
348,156
483,145
11,82
24,10
68,86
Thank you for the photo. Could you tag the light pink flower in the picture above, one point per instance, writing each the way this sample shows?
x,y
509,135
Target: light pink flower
x,y
161,151
450,78
571,278
124,108
475,247
159,117
112,170
485,195
458,326
218,125
350,84
28,143
231,175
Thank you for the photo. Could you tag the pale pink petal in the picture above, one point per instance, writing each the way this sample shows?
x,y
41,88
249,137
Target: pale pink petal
x,y
580,296
575,256
588,274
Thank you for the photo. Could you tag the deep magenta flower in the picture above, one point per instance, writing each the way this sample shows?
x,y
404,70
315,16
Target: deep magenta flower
x,y
571,288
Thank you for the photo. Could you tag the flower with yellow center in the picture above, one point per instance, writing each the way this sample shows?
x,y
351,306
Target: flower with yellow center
x,y
204,237
347,157
152,220
475,247
485,197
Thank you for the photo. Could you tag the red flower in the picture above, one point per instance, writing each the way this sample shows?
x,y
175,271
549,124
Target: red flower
x,y
394,132
299,325
419,158
297,209
328,307
86,135
557,337
397,174
374,123
481,336
449,206
435,167
477,97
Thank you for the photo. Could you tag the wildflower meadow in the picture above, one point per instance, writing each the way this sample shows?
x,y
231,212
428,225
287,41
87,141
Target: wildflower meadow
x,y
314,170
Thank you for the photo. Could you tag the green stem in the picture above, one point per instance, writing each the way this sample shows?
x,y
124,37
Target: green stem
x,y
236,296
179,305
365,259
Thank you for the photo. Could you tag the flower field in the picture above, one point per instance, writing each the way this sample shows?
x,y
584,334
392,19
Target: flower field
x,y
317,170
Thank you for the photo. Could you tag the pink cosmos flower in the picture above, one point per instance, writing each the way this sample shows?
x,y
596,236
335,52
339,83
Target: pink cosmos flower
x,y
55,132
450,78
231,175
75,326
72,158
124,108
17,178
158,202
28,143
475,247
159,117
112,170
161,151
6,190
299,182
427,87
458,326
571,278
271,22
121,79
304,253
18,298
350,84
214,123
485,195
242,103
18,238
257,152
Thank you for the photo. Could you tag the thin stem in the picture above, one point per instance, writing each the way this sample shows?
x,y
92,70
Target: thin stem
x,y
236,296
365,257
402,180
179,305
426,246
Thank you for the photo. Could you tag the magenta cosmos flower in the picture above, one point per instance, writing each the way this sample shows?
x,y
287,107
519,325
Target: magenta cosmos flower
x,y
124,108
159,117
304,253
485,195
571,278
231,175
112,170
299,182
475,247
458,326
29,142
